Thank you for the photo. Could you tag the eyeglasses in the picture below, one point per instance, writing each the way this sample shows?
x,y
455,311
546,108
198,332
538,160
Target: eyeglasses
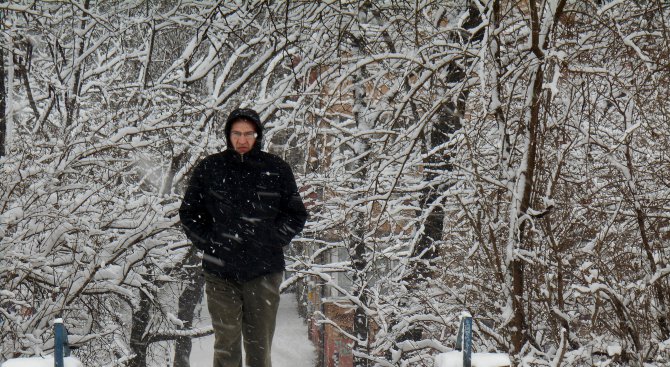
x,y
248,134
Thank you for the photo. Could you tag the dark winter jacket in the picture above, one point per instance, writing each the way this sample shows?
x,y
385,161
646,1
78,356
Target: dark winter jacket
x,y
241,210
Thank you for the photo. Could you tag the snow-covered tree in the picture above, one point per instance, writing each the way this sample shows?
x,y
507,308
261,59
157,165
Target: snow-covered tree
x,y
508,158
116,103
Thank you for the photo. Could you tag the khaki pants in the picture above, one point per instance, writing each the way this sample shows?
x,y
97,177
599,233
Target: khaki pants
x,y
246,309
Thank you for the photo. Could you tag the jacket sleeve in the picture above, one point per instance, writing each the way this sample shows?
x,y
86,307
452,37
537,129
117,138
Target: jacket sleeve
x,y
292,213
195,219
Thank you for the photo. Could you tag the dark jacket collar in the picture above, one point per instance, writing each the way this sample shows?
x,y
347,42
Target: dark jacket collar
x,y
254,152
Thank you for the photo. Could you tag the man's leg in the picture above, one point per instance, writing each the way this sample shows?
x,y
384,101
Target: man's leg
x,y
224,301
261,301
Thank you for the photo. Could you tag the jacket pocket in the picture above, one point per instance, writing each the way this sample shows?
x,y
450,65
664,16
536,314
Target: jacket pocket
x,y
224,244
269,200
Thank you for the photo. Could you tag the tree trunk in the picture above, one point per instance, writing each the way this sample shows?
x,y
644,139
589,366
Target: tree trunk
x,y
357,250
361,329
640,216
188,301
3,104
448,121
519,322
138,341
71,101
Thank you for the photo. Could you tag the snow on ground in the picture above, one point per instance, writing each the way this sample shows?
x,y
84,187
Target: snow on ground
x,y
455,359
290,347
41,362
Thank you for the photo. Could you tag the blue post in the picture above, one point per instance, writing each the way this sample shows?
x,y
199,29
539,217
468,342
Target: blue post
x,y
467,341
464,339
61,347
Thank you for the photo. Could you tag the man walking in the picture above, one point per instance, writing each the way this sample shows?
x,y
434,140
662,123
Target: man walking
x,y
241,208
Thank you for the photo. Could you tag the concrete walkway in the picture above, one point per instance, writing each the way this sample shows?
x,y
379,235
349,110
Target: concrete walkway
x,y
290,347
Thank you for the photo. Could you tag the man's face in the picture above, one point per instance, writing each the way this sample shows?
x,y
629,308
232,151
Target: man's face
x,y
243,136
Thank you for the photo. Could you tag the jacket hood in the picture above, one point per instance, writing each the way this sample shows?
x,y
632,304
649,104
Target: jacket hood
x,y
244,114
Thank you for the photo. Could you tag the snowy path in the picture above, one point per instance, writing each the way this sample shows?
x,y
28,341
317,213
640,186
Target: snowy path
x,y
290,347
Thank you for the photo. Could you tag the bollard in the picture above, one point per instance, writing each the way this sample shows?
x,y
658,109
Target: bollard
x,y
61,347
464,339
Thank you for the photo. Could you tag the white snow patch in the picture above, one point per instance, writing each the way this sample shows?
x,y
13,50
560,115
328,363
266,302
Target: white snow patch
x,y
455,359
41,362
12,216
609,6
614,350
123,132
